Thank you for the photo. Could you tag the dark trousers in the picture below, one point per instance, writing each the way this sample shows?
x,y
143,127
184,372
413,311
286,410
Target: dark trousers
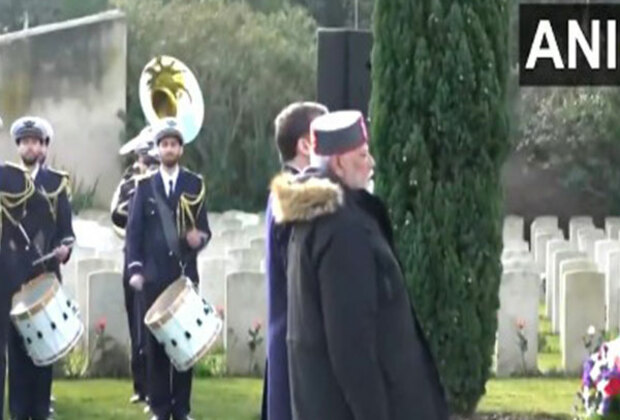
x,y
134,305
263,411
4,332
30,386
169,391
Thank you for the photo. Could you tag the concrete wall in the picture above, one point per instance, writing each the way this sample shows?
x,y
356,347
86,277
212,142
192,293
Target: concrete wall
x,y
74,74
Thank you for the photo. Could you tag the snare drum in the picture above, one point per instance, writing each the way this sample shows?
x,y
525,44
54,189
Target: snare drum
x,y
184,323
47,319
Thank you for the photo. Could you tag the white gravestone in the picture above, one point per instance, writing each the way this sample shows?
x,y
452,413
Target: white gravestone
x,y
518,312
246,304
584,297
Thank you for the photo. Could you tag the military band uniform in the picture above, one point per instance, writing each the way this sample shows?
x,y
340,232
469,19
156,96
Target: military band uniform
x,y
150,255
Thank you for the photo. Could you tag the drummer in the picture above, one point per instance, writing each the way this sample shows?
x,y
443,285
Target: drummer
x,y
44,226
167,228
147,159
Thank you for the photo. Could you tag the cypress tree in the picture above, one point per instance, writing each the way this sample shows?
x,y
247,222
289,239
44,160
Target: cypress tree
x,y
440,137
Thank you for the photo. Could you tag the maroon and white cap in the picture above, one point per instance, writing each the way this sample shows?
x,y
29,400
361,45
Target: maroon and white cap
x,y
338,132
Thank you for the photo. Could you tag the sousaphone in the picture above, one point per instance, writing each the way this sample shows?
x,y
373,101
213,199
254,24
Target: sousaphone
x,y
167,88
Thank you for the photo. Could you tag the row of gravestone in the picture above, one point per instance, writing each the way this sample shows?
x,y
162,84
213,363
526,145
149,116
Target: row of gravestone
x,y
580,279
232,278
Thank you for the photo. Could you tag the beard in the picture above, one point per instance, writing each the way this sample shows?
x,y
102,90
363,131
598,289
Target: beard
x,y
29,160
169,161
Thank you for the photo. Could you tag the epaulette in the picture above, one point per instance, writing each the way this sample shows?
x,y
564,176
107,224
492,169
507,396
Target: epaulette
x,y
63,174
194,174
144,176
16,166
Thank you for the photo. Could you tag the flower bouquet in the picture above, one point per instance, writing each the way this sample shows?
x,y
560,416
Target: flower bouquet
x,y
600,385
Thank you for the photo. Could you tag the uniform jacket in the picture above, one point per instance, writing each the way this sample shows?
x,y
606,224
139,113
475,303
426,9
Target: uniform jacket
x,y
148,251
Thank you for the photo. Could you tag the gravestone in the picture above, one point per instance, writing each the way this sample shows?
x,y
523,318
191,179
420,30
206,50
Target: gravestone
x,y
258,244
518,312
612,227
212,272
543,236
575,223
543,222
517,246
523,264
587,239
553,246
84,268
245,259
233,239
602,249
612,290
555,285
584,297
246,305
106,301
216,248
513,229
574,264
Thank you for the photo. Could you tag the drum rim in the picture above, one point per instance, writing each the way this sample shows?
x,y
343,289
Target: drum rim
x,y
63,352
200,353
40,304
150,318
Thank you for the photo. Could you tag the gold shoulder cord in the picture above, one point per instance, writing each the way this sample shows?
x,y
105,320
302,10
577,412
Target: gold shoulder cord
x,y
10,201
52,197
188,209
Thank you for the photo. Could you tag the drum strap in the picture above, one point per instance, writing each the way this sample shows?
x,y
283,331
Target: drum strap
x,y
167,221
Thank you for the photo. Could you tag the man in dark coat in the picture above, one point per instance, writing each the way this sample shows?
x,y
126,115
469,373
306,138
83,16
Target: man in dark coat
x,y
292,128
46,224
167,228
355,350
147,159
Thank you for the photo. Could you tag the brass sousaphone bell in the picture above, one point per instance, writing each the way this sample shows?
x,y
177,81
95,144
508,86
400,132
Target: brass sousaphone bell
x,y
167,88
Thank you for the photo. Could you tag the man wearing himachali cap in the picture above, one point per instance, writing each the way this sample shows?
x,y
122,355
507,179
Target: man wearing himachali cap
x,y
355,350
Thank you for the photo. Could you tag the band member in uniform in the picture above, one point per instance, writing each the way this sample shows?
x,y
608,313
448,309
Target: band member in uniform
x,y
16,191
167,228
292,133
147,158
44,225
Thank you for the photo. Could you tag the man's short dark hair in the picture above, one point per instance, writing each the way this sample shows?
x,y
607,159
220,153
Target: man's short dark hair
x,y
292,123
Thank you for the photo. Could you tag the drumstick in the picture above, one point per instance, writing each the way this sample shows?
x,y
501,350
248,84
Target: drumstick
x,y
48,256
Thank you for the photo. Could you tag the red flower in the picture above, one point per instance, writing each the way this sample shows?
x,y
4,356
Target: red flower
x,y
613,387
220,311
257,325
100,325
520,323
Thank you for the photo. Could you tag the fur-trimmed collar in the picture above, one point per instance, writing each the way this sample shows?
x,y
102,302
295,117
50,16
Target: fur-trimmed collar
x,y
302,198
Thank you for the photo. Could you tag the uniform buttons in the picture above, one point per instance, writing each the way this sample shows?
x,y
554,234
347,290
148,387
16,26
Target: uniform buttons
x,y
27,247
170,254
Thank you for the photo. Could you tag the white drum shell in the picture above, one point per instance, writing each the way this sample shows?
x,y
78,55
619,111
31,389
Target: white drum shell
x,y
52,331
190,330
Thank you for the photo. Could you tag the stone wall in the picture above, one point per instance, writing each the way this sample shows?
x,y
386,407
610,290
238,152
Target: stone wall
x,y
74,74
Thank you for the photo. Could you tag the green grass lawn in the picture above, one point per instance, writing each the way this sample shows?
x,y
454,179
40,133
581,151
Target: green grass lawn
x,y
549,356
239,399
530,395
212,399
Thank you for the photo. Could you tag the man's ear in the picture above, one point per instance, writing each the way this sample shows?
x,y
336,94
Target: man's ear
x,y
335,164
304,146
